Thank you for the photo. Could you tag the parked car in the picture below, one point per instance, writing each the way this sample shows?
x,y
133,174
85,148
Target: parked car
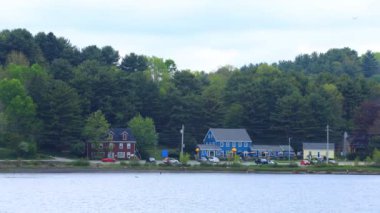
x,y
331,161
213,159
315,161
261,161
108,160
203,159
171,161
305,162
151,160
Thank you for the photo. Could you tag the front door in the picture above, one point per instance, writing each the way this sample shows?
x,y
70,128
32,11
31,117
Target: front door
x,y
111,155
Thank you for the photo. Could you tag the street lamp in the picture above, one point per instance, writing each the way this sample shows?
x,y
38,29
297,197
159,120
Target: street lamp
x,y
289,150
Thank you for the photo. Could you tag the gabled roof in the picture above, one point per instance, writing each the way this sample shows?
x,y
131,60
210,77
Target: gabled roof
x,y
118,134
318,146
225,135
210,147
272,148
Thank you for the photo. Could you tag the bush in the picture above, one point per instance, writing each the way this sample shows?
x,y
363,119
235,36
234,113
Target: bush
x,y
6,153
184,158
376,157
351,156
25,149
81,162
77,149
134,162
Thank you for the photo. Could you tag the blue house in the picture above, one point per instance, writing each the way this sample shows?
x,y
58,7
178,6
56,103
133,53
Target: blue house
x,y
219,142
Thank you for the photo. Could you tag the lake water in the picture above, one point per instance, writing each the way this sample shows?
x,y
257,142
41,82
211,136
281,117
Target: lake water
x,y
200,192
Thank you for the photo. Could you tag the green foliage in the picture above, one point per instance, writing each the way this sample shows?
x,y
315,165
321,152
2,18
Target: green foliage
x,y
145,133
80,163
77,149
48,86
374,143
184,158
60,113
376,157
96,127
25,149
370,65
356,161
134,63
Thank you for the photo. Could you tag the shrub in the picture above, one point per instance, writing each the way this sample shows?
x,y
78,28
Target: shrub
x,y
80,162
77,149
25,149
6,153
356,162
376,157
134,162
184,158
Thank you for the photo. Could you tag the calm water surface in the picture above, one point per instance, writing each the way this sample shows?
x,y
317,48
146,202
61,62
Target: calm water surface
x,y
147,192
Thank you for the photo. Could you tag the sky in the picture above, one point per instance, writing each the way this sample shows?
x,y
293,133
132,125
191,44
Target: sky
x,y
204,34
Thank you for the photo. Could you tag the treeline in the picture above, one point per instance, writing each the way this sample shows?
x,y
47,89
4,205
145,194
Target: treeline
x,y
49,87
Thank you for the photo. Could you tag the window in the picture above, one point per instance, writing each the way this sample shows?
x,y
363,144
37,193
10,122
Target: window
x,y
125,136
101,146
221,144
110,146
239,144
128,154
121,155
110,136
121,146
233,144
128,146
227,144
246,144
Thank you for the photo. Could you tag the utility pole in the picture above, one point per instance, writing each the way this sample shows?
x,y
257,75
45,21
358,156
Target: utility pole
x,y
327,144
182,145
289,150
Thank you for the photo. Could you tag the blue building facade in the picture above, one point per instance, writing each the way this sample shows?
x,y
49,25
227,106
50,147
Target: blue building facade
x,y
220,142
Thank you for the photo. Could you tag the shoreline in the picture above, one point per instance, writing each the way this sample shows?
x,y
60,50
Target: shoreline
x,y
90,170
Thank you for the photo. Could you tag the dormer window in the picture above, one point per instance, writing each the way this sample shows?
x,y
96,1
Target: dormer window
x,y
110,136
125,136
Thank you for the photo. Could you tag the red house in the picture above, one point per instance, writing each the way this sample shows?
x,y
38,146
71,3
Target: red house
x,y
120,144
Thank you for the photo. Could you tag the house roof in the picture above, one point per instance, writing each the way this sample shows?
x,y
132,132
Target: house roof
x,y
239,135
118,134
318,146
210,147
275,148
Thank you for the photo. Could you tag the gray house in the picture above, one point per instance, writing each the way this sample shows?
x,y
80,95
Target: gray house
x,y
272,151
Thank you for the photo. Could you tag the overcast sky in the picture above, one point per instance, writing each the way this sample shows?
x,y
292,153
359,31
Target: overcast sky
x,y
204,34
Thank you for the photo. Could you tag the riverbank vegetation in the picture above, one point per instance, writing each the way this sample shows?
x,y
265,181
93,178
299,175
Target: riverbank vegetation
x,y
135,166
50,90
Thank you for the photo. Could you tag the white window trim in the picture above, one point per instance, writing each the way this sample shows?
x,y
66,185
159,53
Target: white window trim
x,y
121,146
125,136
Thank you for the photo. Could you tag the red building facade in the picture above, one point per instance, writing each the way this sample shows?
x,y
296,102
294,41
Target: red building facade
x,y
120,144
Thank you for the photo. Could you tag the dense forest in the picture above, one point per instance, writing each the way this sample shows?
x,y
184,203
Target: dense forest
x,y
49,88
